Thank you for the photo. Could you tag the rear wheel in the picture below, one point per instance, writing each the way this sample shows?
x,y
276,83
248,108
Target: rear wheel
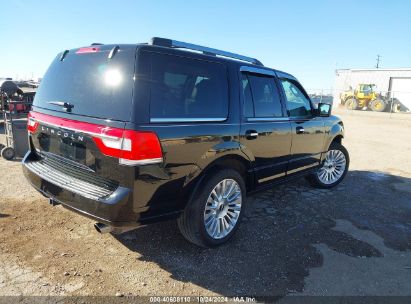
x,y
215,211
378,105
333,169
8,153
351,104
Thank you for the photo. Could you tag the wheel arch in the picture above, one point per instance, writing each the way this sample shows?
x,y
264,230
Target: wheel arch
x,y
235,162
230,161
337,139
336,134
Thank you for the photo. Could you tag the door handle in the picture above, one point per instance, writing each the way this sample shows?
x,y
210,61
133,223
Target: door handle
x,y
251,134
299,130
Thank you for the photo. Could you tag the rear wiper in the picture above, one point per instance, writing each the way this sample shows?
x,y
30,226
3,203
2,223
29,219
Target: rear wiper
x,y
66,106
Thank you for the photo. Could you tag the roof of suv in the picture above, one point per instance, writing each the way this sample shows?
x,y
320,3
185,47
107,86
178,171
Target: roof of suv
x,y
209,53
182,48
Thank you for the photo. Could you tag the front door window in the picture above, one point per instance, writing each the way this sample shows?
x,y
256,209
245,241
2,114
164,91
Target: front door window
x,y
298,104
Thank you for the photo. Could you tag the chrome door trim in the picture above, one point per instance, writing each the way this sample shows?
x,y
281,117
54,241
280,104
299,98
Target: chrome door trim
x,y
266,179
303,168
205,119
268,119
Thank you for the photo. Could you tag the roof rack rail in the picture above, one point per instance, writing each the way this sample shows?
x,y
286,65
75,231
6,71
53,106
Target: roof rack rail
x,y
97,43
208,51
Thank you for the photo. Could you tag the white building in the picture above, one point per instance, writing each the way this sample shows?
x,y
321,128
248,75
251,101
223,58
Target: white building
x,y
394,83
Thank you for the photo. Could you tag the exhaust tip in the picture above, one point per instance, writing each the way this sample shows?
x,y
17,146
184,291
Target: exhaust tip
x,y
103,228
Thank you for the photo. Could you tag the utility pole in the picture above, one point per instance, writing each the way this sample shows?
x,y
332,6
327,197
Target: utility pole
x,y
378,61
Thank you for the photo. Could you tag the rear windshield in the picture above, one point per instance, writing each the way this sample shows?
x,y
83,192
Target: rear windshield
x,y
93,84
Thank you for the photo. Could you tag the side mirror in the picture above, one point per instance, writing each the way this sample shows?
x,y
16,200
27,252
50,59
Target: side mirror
x,y
324,109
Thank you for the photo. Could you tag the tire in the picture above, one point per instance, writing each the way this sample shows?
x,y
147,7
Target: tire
x,y
316,179
192,223
396,107
351,104
378,105
8,153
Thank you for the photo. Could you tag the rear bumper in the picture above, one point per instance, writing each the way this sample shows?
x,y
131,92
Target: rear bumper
x,y
112,208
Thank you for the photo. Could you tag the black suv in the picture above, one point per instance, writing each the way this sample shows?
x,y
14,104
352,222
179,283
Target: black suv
x,y
133,134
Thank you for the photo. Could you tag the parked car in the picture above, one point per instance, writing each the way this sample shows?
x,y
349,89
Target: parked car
x,y
135,134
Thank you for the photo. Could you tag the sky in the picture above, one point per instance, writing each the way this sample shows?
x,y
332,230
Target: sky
x,y
308,39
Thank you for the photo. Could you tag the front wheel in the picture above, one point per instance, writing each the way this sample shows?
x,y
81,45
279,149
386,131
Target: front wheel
x,y
378,105
333,169
215,211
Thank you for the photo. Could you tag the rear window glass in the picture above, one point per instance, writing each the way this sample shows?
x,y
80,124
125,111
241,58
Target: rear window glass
x,y
95,85
248,98
261,93
183,88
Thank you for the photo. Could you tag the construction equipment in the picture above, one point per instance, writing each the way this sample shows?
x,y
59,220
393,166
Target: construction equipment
x,y
364,96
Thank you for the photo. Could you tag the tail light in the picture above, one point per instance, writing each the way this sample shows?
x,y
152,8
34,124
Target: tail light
x,y
31,123
129,146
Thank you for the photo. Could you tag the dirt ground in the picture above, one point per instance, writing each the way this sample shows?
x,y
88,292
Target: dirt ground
x,y
295,240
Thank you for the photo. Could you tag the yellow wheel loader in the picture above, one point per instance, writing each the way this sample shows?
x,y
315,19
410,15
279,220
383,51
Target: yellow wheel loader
x,y
364,96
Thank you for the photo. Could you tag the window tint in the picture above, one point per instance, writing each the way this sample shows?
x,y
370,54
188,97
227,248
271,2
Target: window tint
x,y
95,85
248,99
265,96
298,103
187,88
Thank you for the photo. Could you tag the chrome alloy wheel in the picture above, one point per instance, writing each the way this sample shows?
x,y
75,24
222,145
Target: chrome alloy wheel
x,y
333,167
223,208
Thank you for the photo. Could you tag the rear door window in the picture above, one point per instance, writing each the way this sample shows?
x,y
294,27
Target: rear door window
x,y
95,85
261,96
248,97
184,89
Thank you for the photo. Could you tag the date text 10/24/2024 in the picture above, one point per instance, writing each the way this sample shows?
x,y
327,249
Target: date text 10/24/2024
x,y
200,299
